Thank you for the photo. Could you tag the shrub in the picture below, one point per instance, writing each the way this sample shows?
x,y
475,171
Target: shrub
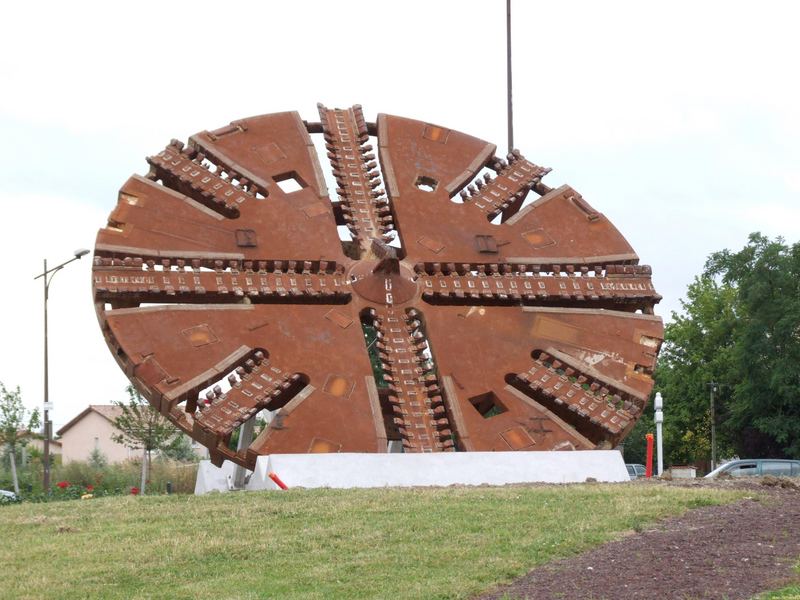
x,y
76,479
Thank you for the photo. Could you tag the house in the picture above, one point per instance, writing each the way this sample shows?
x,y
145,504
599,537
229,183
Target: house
x,y
36,441
92,429
32,444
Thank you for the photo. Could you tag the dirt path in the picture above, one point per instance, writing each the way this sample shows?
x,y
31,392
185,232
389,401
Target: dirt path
x,y
727,552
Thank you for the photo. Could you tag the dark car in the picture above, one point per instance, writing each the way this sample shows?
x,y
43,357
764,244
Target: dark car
x,y
756,467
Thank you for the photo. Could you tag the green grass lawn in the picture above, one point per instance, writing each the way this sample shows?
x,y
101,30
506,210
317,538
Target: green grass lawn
x,y
378,543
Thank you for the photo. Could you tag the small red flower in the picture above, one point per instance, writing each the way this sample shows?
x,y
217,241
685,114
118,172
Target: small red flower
x,y
63,484
90,488
134,491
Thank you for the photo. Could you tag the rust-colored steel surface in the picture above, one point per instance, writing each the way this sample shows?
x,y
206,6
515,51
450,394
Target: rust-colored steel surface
x,y
471,306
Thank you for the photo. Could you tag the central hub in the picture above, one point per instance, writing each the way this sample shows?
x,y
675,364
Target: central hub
x,y
386,281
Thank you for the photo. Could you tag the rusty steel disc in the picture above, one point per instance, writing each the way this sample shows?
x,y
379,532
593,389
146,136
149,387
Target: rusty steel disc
x,y
472,307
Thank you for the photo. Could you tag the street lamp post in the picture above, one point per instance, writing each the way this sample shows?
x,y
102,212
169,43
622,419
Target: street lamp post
x,y
47,276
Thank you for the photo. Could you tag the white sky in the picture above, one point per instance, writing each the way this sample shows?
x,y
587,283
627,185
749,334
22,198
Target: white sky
x,y
680,121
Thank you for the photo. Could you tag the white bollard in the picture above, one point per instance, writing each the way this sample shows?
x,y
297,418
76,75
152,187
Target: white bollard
x,y
659,419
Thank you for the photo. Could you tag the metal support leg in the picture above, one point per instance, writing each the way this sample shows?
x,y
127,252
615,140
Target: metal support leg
x,y
245,439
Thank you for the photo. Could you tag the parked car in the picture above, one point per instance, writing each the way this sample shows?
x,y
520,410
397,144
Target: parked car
x,y
755,467
635,471
6,496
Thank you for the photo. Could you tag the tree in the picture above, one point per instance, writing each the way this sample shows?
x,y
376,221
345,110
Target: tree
x,y
765,404
180,449
142,428
14,418
740,326
97,460
698,349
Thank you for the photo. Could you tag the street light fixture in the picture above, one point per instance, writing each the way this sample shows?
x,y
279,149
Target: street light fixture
x,y
47,276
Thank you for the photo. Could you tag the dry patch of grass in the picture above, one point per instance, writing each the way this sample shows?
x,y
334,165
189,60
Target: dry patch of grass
x,y
379,543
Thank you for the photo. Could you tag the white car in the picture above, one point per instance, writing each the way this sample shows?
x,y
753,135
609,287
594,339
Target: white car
x,y
635,470
6,496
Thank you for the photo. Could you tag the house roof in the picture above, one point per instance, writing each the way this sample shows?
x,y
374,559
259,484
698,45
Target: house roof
x,y
107,411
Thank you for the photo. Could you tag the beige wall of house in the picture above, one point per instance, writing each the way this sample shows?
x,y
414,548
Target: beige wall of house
x,y
90,432
38,444
93,428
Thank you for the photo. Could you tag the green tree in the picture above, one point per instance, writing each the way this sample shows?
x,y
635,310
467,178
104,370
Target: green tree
x,y
180,449
14,417
765,404
739,326
97,460
698,349
142,428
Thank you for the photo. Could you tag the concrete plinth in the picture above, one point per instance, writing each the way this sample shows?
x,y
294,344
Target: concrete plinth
x,y
350,470
214,479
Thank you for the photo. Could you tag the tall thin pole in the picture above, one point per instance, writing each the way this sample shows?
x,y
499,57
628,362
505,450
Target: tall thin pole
x,y
660,446
47,277
659,418
508,73
47,427
713,430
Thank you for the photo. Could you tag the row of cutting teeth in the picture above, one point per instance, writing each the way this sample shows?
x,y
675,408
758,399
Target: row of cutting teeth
x,y
254,386
361,158
434,411
224,172
290,267
534,270
514,177
566,388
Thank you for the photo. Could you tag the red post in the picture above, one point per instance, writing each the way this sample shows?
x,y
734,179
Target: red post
x,y
283,486
648,463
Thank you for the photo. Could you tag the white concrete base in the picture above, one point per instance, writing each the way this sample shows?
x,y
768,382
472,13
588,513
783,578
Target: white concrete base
x,y
214,479
350,470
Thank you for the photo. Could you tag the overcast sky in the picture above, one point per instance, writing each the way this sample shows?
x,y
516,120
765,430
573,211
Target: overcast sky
x,y
680,121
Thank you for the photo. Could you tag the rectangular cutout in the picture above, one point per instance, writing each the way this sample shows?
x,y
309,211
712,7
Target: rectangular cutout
x,y
488,405
289,182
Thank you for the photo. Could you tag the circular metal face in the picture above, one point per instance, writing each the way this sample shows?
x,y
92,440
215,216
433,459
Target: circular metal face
x,y
441,298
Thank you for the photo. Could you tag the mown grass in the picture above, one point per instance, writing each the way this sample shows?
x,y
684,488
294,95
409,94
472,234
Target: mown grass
x,y
378,543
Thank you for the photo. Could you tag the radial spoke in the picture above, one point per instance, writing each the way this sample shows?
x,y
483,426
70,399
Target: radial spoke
x,y
618,287
134,280
415,394
364,206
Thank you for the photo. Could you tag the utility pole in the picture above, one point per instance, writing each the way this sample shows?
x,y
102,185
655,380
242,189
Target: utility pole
x,y
508,76
713,387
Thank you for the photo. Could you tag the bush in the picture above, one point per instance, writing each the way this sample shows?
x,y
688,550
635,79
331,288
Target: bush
x,y
79,478
97,459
